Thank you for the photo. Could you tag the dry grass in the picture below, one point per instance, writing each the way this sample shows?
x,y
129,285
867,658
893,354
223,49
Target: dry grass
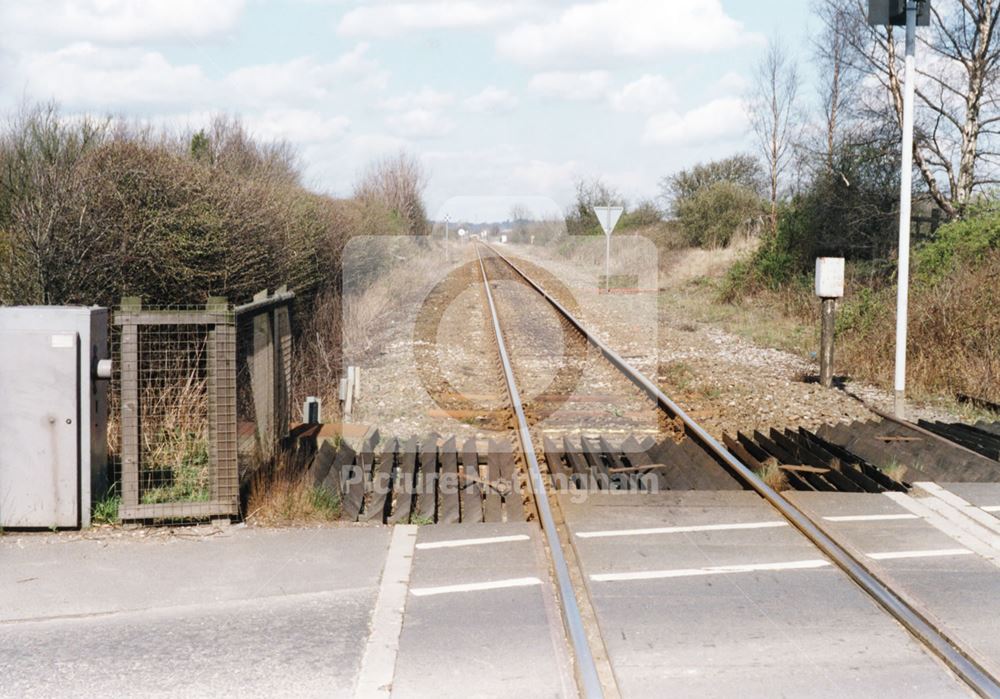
x,y
404,281
712,263
363,313
631,252
281,495
773,475
175,446
676,374
894,470
954,336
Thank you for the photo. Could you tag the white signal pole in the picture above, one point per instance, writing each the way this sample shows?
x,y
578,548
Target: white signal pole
x,y
905,204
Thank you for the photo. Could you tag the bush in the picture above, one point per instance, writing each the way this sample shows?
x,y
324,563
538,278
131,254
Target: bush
x,y
965,242
715,214
644,215
89,213
954,332
396,185
742,170
590,193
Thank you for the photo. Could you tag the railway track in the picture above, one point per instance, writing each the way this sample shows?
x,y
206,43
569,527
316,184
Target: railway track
x,y
706,465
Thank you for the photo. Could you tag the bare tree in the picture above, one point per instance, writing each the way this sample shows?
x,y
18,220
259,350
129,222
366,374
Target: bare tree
x,y
838,76
398,183
958,110
772,111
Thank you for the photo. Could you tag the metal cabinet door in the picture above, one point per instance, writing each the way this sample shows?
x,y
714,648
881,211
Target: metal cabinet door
x,y
39,429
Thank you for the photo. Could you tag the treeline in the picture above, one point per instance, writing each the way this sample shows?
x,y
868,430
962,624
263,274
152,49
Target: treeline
x,y
93,210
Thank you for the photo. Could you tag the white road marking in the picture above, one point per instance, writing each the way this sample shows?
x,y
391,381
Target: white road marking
x,y
926,553
946,525
679,530
452,543
379,662
870,518
709,570
964,508
990,508
474,587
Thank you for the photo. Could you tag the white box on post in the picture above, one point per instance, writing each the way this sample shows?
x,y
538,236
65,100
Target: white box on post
x,y
829,287
830,277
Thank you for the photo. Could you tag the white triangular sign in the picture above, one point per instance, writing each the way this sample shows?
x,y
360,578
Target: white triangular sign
x,y
608,217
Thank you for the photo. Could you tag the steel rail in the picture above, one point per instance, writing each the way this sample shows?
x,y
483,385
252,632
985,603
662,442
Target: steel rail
x,y
970,671
586,667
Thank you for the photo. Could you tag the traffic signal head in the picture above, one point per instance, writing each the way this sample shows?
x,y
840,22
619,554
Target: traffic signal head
x,y
893,12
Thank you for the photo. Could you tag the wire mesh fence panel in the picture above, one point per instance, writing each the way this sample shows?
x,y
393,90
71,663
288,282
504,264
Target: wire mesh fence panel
x,y
177,404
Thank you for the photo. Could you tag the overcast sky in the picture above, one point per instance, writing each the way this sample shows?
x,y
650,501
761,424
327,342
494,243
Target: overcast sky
x,y
499,99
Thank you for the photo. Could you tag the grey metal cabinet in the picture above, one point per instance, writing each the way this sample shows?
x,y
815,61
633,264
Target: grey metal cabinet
x,y
53,415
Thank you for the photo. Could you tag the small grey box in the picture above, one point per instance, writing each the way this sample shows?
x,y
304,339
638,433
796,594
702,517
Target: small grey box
x,y
53,415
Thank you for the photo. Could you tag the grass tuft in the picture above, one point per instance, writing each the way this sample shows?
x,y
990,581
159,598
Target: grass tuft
x,y
773,475
894,470
282,496
105,510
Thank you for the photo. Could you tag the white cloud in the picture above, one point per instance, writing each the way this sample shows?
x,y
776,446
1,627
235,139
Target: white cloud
x,y
119,21
93,76
419,124
552,179
304,79
648,93
731,83
491,99
297,79
584,86
425,98
357,65
392,19
717,120
298,125
624,28
84,74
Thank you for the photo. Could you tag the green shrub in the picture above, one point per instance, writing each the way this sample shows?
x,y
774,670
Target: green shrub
x,y
105,510
771,266
643,215
714,214
743,170
964,242
863,311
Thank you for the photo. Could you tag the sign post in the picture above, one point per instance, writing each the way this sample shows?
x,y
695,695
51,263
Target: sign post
x,y
608,217
829,287
908,13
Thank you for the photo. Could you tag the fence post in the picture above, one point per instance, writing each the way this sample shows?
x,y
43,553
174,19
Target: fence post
x,y
129,372
283,365
222,404
262,377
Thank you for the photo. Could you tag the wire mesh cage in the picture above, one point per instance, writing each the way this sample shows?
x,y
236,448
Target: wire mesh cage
x,y
176,410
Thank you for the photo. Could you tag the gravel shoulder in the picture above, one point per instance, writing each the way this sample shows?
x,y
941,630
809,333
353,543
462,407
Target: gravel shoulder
x,y
724,381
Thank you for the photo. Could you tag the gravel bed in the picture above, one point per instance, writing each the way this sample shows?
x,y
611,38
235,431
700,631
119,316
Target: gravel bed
x,y
723,381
